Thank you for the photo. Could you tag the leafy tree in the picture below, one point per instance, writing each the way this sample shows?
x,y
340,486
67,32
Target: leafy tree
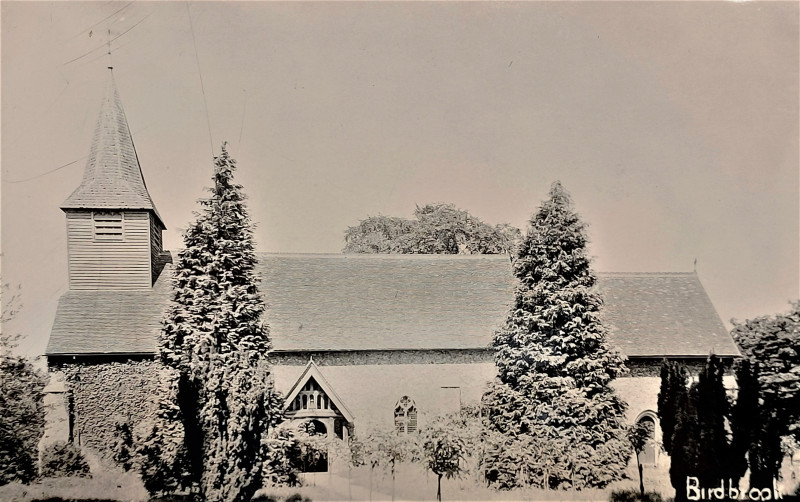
x,y
554,364
215,339
377,234
437,229
774,343
283,461
21,402
393,449
443,451
123,450
357,451
61,459
674,384
638,436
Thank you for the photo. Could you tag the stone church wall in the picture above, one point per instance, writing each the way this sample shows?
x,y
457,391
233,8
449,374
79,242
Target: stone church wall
x,y
101,394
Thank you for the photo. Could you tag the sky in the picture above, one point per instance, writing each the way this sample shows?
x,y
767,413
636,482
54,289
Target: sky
x,y
674,125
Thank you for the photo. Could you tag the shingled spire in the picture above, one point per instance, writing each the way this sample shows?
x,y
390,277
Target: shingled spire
x,y
112,178
114,232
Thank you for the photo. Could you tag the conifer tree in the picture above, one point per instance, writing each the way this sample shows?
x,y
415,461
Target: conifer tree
x,y
711,405
700,445
744,419
554,363
674,381
214,338
683,455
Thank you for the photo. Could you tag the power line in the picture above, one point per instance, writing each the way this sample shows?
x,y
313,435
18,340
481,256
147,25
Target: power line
x,y
51,171
244,110
200,72
105,44
102,20
40,175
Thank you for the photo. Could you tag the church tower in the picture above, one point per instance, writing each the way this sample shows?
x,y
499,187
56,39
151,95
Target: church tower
x,y
113,228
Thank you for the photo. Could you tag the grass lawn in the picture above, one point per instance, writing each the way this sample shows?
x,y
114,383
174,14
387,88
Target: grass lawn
x,y
115,486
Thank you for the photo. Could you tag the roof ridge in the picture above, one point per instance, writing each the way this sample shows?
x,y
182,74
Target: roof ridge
x,y
635,274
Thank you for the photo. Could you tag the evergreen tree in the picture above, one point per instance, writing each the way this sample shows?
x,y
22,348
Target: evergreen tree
x,y
711,406
700,445
684,451
744,419
554,364
215,339
674,381
765,454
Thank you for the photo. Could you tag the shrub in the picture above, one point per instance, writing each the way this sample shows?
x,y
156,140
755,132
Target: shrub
x,y
271,497
632,495
62,459
59,499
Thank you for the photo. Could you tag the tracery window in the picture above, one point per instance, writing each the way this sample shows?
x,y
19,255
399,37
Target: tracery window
x,y
405,415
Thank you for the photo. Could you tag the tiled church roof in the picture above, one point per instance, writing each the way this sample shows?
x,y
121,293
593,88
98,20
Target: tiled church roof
x,y
110,322
375,302
112,178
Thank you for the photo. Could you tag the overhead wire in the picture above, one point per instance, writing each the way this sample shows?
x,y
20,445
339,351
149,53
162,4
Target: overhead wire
x,y
105,44
102,20
51,171
200,73
244,110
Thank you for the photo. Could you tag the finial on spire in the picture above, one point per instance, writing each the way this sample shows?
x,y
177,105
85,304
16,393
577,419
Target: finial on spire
x,y
108,44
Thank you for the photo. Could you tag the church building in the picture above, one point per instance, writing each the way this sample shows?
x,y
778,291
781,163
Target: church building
x,y
359,341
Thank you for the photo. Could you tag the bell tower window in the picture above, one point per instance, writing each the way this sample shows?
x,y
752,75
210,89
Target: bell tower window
x,y
107,227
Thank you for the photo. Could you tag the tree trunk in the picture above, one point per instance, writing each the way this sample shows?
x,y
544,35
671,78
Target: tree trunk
x,y
439,489
330,477
349,483
370,483
641,479
392,482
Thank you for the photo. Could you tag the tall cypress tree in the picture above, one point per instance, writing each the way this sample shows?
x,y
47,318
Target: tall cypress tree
x,y
674,381
744,419
684,452
554,364
214,338
700,446
711,405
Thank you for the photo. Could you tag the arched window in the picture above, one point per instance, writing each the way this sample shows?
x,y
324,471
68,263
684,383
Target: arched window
x,y
405,415
648,455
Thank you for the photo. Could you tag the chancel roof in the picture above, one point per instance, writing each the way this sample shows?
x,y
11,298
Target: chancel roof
x,y
113,177
385,302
